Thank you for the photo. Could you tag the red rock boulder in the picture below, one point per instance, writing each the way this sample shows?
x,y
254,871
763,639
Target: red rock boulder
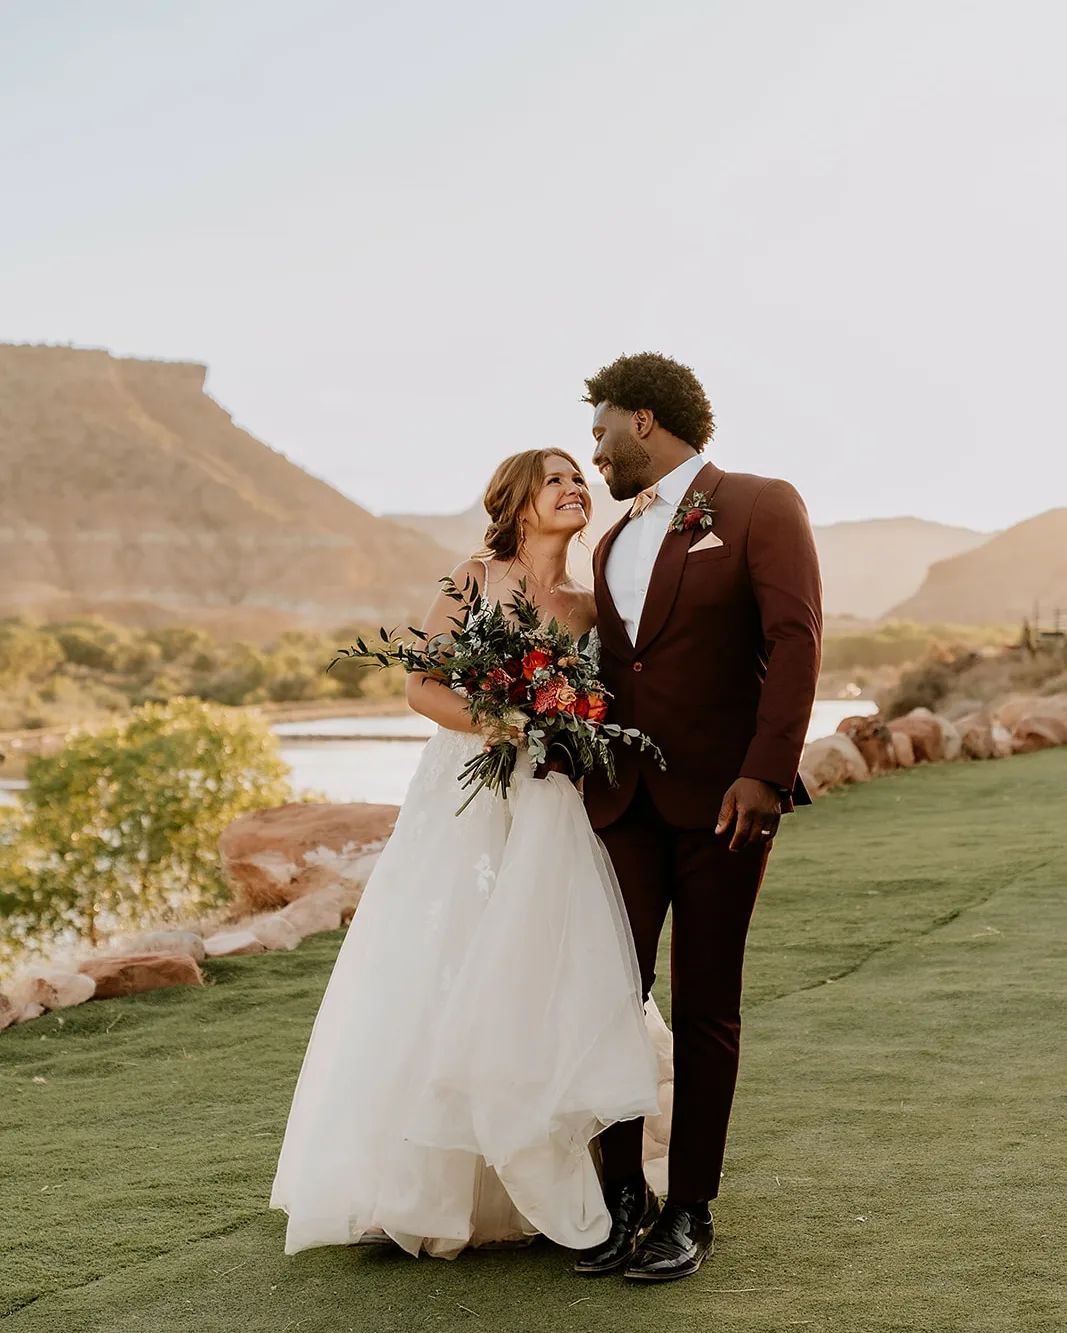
x,y
925,733
832,761
168,941
54,988
132,974
951,744
315,912
976,736
1038,731
273,857
873,739
1017,706
902,748
275,933
234,943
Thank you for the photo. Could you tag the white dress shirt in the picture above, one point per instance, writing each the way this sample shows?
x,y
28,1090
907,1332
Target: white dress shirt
x,y
634,551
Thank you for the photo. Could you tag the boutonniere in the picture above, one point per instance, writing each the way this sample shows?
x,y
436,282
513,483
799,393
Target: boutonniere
x,y
695,511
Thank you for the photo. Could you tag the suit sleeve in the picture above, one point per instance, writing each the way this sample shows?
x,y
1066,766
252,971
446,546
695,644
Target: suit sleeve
x,y
784,569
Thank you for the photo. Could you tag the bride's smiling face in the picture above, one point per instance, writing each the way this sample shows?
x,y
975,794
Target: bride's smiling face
x,y
562,504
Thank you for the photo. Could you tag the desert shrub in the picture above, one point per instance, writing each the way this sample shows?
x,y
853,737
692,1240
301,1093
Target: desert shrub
x,y
1056,684
924,687
83,669
903,642
137,658
240,678
90,643
21,893
945,680
120,828
177,642
27,653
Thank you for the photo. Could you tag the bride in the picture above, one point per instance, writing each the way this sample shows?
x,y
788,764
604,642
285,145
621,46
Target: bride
x,y
483,1021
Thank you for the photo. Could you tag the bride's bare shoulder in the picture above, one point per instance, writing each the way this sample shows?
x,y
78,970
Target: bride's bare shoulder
x,y
468,573
585,603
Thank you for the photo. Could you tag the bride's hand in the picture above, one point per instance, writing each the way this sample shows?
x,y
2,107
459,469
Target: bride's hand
x,y
509,729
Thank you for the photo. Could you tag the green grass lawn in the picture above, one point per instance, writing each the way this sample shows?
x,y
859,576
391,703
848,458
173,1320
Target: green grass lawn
x,y
896,1159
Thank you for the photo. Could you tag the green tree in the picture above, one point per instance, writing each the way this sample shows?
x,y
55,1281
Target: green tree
x,y
26,653
120,827
239,678
92,643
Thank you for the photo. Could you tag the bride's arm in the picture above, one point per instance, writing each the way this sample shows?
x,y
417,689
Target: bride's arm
x,y
432,698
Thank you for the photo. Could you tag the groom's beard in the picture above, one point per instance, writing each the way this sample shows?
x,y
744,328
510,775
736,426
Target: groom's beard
x,y
631,464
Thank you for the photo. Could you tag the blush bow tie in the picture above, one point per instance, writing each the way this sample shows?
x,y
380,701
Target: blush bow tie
x,y
642,500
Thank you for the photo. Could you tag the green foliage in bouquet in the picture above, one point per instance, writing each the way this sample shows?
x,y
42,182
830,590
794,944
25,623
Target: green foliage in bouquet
x,y
519,675
120,828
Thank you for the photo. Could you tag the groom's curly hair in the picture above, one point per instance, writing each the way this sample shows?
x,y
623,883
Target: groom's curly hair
x,y
666,388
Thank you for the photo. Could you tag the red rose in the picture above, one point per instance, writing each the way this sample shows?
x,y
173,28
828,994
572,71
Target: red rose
x,y
517,693
598,709
692,519
581,706
534,660
513,666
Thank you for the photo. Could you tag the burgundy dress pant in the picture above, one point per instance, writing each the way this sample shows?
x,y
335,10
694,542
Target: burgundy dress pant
x,y
712,892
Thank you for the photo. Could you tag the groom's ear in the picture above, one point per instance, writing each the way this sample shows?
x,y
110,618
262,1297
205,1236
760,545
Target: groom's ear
x,y
643,421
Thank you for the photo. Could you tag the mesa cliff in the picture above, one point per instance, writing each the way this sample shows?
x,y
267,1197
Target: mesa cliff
x,y
127,491
1021,573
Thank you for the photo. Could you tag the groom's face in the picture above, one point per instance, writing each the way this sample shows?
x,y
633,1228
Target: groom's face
x,y
620,454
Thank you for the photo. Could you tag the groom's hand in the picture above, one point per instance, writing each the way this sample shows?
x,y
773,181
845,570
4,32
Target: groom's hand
x,y
751,809
558,760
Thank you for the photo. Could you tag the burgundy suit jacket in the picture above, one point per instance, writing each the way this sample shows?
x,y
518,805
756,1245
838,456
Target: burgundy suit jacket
x,y
723,673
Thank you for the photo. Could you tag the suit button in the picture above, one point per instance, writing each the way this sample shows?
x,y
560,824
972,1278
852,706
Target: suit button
x,y
637,666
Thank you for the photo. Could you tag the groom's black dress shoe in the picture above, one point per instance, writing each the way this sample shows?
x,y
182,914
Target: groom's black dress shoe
x,y
679,1242
633,1208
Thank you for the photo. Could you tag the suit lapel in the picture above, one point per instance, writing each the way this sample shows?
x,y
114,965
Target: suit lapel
x,y
670,563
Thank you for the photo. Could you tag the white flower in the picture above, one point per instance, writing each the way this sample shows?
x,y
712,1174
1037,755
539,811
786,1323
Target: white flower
x,y
486,875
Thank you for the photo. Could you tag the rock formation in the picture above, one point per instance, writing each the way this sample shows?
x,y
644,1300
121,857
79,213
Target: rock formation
x,y
867,566
126,490
133,973
273,857
999,582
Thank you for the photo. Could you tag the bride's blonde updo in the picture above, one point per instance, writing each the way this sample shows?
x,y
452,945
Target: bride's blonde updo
x,y
511,488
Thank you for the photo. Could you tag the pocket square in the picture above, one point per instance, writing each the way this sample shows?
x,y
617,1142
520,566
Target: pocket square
x,y
705,543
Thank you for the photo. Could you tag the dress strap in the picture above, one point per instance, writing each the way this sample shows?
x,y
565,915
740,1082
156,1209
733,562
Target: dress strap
x,y
485,585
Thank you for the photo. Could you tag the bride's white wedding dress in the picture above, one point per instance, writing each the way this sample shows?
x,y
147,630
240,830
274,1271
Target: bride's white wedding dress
x,y
482,1024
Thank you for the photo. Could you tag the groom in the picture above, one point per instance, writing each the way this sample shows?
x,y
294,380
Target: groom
x,y
708,604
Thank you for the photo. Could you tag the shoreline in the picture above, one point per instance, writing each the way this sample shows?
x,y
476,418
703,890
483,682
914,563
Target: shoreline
x,y
19,746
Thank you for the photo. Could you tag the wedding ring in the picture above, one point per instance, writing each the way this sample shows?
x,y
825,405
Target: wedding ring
x,y
765,832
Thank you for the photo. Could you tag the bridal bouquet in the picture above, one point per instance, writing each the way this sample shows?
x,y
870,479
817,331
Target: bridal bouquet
x,y
525,682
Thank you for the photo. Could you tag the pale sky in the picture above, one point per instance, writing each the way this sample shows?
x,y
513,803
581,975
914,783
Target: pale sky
x,y
401,234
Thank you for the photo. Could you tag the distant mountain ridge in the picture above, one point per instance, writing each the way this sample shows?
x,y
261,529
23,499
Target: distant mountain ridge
x,y
128,491
867,566
1017,573
870,565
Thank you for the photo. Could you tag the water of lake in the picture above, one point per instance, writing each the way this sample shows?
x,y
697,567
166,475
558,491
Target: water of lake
x,y
374,758
366,767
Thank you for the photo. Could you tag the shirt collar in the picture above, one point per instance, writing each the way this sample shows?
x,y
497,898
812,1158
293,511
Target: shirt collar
x,y
675,485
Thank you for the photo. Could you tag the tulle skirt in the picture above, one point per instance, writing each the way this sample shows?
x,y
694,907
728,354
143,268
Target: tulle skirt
x,y
483,1023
